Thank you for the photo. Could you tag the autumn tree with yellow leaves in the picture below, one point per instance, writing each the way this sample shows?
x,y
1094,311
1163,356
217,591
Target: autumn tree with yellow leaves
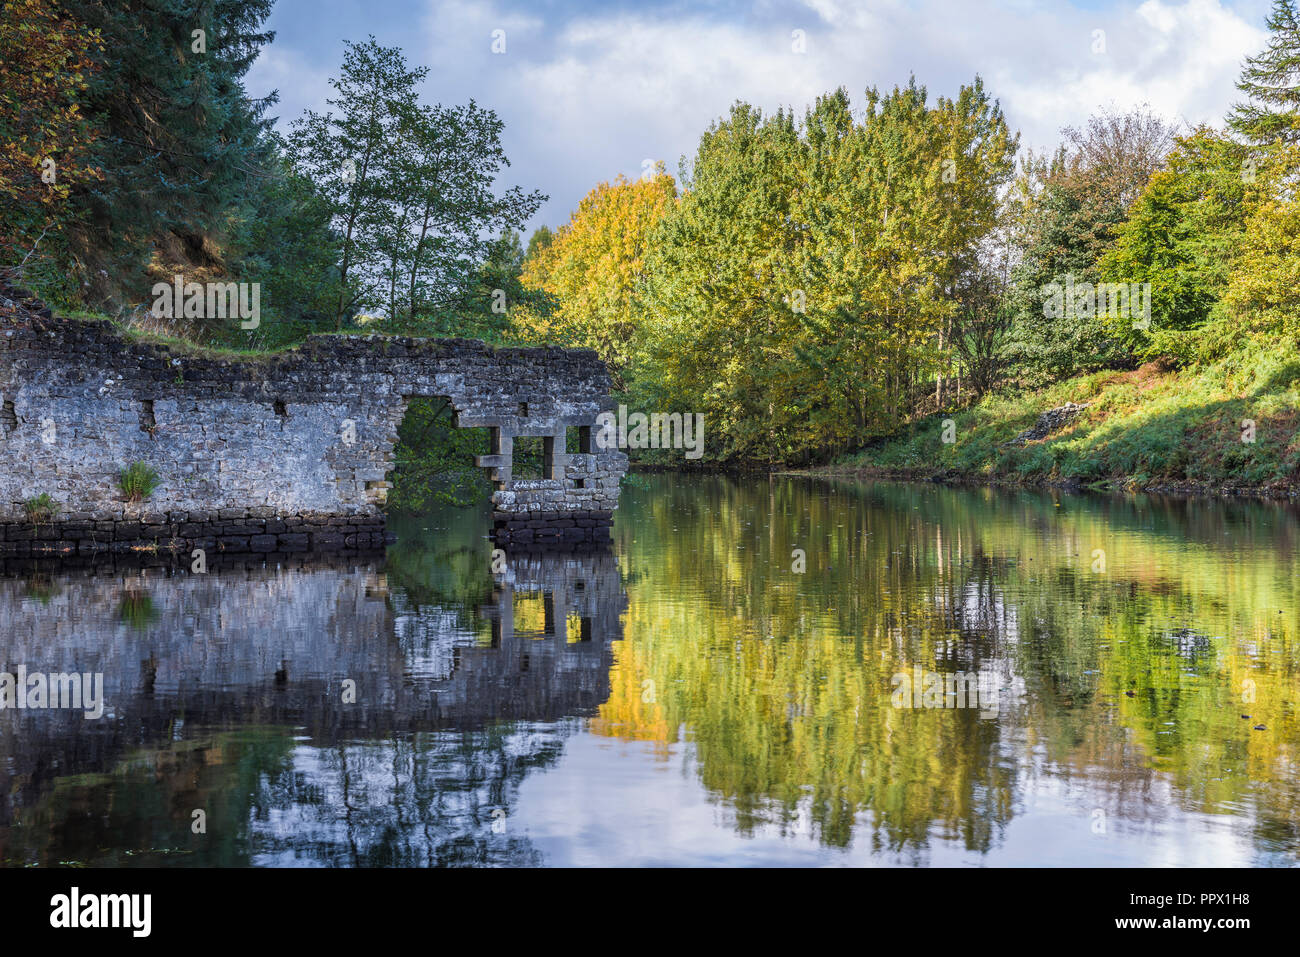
x,y
46,61
593,267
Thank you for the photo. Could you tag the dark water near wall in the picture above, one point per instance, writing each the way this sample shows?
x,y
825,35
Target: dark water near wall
x,y
689,698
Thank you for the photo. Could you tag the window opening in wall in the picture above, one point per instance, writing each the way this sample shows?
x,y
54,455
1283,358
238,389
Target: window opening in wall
x,y
433,460
548,606
578,628
577,440
528,459
147,421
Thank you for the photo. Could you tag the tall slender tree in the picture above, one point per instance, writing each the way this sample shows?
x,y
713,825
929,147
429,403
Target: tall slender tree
x,y
348,152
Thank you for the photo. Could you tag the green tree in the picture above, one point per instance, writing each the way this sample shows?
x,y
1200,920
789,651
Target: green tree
x,y
176,133
287,244
1263,291
1182,237
349,156
498,294
1075,204
1271,80
592,267
804,253
447,187
410,188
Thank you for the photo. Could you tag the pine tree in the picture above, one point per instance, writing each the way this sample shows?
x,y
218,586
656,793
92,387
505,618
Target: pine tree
x,y
1272,81
178,135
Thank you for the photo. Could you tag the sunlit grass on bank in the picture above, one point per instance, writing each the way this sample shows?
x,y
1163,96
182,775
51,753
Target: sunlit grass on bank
x,y
1148,427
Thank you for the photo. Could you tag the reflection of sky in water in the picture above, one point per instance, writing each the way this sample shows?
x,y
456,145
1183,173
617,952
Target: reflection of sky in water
x,y
686,699
640,809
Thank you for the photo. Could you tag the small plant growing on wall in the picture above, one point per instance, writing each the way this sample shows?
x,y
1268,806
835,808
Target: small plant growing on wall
x,y
41,508
138,481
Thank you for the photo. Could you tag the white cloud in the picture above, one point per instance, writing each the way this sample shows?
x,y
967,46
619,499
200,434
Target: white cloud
x,y
588,95
302,84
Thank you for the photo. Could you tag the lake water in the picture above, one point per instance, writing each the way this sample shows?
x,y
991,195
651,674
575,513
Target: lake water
x,y
769,672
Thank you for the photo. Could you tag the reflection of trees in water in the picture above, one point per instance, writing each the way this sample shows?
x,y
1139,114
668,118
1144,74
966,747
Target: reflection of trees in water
x,y
1125,688
427,799
413,799
782,680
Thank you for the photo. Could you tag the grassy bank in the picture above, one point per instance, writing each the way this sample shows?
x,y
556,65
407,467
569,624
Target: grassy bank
x,y
1150,428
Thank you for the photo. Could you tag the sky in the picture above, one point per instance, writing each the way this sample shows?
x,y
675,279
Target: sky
x,y
589,90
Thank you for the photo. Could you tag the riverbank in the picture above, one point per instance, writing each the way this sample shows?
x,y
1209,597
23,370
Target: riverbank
x,y
1229,428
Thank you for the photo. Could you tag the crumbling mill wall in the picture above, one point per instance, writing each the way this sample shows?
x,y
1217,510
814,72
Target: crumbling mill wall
x,y
287,452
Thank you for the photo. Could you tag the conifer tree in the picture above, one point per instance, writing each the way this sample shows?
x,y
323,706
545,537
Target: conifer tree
x,y
1271,80
178,135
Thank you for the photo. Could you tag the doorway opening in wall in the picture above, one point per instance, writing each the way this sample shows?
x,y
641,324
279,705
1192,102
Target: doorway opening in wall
x,y
433,462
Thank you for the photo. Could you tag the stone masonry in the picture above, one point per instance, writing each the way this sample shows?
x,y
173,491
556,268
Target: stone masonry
x,y
286,452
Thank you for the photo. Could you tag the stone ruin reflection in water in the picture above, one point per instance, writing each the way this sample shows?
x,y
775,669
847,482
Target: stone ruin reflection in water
x,y
227,692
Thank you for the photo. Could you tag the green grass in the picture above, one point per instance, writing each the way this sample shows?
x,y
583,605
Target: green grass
x,y
1143,428
187,348
181,346
177,344
41,508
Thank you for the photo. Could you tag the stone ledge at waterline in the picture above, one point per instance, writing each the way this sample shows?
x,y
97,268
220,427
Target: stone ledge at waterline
x,y
279,452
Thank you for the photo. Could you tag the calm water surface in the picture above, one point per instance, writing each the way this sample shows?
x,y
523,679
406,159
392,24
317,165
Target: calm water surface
x,y
689,698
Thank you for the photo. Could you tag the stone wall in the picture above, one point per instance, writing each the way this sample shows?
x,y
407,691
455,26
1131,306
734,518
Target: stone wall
x,y
287,452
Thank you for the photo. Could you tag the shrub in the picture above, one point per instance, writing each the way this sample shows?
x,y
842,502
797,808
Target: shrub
x,y
138,481
41,508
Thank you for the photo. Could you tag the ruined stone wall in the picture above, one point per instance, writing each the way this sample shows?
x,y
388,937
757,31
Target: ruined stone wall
x,y
286,452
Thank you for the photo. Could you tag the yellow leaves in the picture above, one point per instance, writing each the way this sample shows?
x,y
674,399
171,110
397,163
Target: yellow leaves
x,y
37,74
594,264
1265,284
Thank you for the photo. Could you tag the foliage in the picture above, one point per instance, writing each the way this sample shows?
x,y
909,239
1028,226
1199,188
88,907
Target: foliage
x,y
47,60
1149,426
788,703
803,252
138,481
1271,81
1183,234
497,295
178,139
408,188
1264,289
1073,207
286,244
434,460
593,265
41,508
817,282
